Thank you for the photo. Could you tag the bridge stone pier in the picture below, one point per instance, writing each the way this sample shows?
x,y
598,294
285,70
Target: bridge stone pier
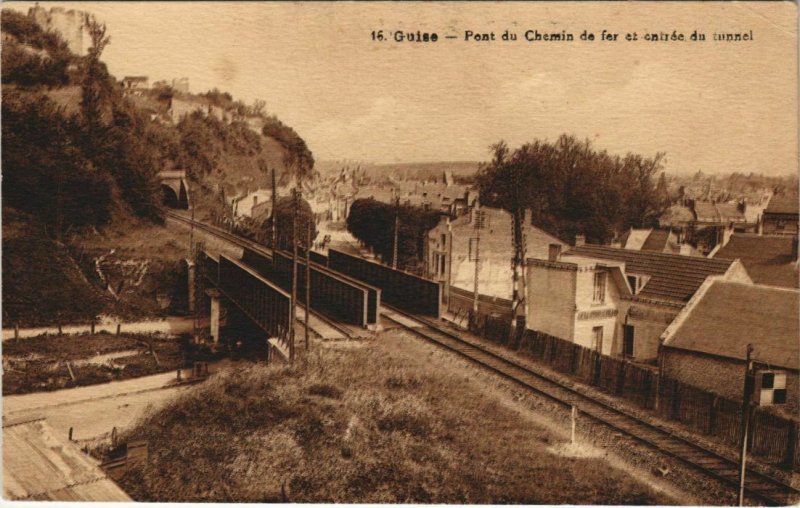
x,y
214,318
174,189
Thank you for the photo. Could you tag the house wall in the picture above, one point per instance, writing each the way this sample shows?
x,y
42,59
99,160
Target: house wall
x,y
649,320
770,224
496,252
589,314
722,376
551,300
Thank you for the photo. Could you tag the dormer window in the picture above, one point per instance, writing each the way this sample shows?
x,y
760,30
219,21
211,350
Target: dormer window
x,y
632,280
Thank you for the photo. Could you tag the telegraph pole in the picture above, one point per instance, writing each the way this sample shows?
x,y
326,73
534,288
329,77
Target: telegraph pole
x,y
396,229
478,225
749,384
309,226
295,199
274,235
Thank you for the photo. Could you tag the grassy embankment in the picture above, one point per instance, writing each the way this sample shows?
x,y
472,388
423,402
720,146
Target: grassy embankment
x,y
365,425
40,363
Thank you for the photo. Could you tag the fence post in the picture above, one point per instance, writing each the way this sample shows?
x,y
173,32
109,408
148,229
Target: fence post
x,y
657,398
16,330
596,362
91,329
791,445
620,378
119,326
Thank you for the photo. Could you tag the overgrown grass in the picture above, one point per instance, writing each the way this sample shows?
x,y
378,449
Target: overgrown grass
x,y
39,363
362,427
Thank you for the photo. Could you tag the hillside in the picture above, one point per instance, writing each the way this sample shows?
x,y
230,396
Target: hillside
x,y
80,160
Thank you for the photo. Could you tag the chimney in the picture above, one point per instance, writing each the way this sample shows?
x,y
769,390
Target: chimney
x,y
554,252
580,240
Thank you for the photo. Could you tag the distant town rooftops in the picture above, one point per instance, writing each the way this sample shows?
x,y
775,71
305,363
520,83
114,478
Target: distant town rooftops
x,y
768,259
729,315
672,277
706,211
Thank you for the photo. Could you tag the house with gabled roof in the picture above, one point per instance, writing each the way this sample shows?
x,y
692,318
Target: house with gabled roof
x,y
450,248
781,217
770,260
705,346
616,301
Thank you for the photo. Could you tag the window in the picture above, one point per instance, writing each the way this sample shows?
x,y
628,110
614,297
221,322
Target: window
x,y
443,265
627,344
436,263
597,339
444,240
632,282
599,287
554,250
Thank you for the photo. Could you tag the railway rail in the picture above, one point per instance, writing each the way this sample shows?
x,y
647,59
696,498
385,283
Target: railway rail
x,y
244,242
758,486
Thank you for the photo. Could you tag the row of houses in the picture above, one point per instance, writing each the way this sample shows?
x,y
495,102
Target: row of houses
x,y
690,316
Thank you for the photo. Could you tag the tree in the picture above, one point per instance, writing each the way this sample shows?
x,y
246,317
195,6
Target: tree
x,y
284,219
372,223
572,188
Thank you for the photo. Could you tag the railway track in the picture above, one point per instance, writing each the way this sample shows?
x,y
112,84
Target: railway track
x,y
760,487
245,242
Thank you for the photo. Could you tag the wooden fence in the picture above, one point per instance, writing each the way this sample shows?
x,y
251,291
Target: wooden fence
x,y
773,438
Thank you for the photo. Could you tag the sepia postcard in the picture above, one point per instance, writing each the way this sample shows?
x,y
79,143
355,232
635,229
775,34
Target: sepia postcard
x,y
536,253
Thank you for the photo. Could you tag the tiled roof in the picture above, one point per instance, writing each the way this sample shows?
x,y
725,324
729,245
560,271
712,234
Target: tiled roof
x,y
768,259
731,315
656,241
718,212
40,466
672,277
783,205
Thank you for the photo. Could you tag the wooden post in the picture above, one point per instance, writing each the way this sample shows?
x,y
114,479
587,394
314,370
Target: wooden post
x,y
119,327
16,330
296,204
91,327
70,433
712,415
308,276
59,327
396,231
745,426
179,374
574,418
70,372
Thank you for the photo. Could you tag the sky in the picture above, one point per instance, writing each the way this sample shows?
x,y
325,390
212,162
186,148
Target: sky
x,y
711,106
